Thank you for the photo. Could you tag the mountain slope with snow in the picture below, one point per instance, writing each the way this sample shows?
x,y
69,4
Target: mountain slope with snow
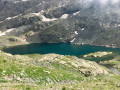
x,y
95,22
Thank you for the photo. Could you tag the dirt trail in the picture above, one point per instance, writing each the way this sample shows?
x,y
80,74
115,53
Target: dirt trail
x,y
115,71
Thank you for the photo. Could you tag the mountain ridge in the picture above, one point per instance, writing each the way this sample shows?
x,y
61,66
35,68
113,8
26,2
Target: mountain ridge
x,y
79,22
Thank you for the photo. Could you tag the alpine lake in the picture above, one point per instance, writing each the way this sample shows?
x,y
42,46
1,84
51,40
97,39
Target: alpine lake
x,y
63,49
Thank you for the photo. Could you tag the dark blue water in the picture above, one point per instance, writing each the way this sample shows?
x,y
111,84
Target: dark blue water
x,y
63,49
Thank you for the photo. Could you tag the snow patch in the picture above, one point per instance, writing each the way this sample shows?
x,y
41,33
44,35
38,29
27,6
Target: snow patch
x,y
9,30
24,39
24,0
118,25
64,16
76,32
43,1
83,29
16,2
43,17
12,17
91,0
4,33
21,1
39,4
76,13
48,19
8,18
37,14
1,21
73,40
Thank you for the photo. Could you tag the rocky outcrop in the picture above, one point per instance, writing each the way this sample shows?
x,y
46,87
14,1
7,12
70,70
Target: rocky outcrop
x,y
52,69
88,68
27,68
98,54
113,64
6,41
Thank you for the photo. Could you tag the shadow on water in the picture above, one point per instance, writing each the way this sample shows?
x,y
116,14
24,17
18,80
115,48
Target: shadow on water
x,y
62,49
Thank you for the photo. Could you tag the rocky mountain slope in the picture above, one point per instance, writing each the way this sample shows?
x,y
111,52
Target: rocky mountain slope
x,y
95,22
53,71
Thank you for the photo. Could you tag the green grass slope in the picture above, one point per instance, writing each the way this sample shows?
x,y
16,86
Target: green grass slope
x,y
52,71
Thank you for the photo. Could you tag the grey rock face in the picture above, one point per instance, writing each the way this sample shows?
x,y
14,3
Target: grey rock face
x,y
60,21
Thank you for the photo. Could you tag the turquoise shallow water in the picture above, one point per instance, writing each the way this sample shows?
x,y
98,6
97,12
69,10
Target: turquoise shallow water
x,y
63,49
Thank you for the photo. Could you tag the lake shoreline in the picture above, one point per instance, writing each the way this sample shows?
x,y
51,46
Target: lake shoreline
x,y
58,48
